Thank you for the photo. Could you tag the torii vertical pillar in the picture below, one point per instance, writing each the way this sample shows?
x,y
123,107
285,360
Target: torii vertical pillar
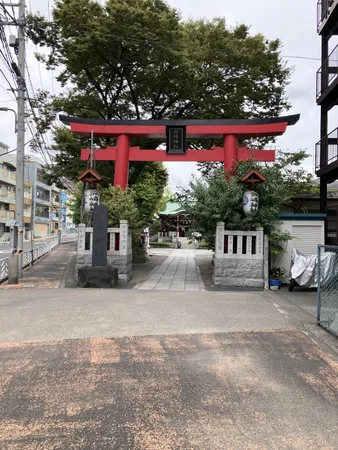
x,y
230,152
122,161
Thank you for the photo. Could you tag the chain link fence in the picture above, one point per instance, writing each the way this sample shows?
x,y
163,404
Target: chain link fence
x,y
327,292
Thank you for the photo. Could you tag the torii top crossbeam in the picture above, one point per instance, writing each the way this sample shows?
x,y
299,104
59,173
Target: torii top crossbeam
x,y
228,130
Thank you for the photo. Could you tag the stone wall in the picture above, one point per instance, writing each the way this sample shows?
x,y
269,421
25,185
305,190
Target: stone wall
x,y
238,272
240,259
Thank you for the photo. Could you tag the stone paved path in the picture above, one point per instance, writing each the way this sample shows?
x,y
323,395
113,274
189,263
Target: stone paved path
x,y
177,273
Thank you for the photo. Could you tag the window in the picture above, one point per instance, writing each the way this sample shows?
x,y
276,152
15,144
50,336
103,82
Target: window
x,y
42,211
40,176
42,194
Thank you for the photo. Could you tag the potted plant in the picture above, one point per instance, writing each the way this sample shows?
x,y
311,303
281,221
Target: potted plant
x,y
276,276
278,242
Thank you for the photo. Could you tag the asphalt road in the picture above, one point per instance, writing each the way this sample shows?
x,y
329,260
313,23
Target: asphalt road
x,y
89,369
232,391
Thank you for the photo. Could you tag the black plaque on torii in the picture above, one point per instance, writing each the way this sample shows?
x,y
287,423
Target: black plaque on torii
x,y
100,232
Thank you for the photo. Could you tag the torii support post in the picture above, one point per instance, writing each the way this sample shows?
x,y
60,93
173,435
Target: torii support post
x,y
122,161
230,152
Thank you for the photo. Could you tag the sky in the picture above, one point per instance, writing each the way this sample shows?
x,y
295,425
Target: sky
x,y
292,21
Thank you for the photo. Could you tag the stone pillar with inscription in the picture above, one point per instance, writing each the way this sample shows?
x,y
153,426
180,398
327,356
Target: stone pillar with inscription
x,y
81,237
219,251
124,257
219,243
82,257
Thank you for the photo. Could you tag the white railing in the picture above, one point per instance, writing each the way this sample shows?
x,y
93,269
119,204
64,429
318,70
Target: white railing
x,y
69,237
3,269
239,244
30,256
170,236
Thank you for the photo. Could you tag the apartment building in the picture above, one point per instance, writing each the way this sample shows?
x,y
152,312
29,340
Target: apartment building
x,y
327,99
7,192
49,202
45,206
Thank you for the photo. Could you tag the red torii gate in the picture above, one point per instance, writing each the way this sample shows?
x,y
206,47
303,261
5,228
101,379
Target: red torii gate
x,y
228,130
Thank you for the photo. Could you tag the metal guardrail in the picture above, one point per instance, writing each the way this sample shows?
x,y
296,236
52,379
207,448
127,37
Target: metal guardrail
x,y
31,256
327,287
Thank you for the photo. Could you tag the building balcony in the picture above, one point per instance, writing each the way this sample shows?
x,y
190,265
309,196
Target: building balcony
x,y
327,80
326,156
6,215
7,176
39,219
327,12
7,196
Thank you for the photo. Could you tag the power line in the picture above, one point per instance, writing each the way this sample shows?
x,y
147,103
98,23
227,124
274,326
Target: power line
x,y
301,57
3,101
36,50
14,150
52,70
12,17
9,84
8,59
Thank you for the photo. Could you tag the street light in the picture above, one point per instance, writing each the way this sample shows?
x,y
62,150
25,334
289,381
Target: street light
x,y
4,108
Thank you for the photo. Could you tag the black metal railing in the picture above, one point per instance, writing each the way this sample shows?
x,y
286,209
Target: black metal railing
x,y
328,73
324,9
327,150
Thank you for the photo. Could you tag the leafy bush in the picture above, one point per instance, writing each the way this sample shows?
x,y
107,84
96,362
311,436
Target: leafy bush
x,y
277,273
160,244
203,245
215,198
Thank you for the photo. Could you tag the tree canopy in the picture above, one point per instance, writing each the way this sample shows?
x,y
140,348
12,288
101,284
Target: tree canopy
x,y
214,198
137,59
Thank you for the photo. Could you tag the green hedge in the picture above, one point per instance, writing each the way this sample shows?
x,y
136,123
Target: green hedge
x,y
203,245
160,244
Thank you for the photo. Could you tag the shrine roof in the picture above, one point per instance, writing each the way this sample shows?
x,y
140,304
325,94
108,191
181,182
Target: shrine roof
x,y
273,126
172,209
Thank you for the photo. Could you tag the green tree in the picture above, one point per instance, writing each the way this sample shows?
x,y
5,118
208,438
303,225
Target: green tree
x,y
168,195
216,198
137,59
121,206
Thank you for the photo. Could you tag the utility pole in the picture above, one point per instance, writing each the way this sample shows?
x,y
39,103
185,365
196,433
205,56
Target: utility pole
x,y
20,154
18,225
60,218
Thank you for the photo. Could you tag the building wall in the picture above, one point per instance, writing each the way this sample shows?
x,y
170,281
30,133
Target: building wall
x,y
41,224
7,194
307,235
